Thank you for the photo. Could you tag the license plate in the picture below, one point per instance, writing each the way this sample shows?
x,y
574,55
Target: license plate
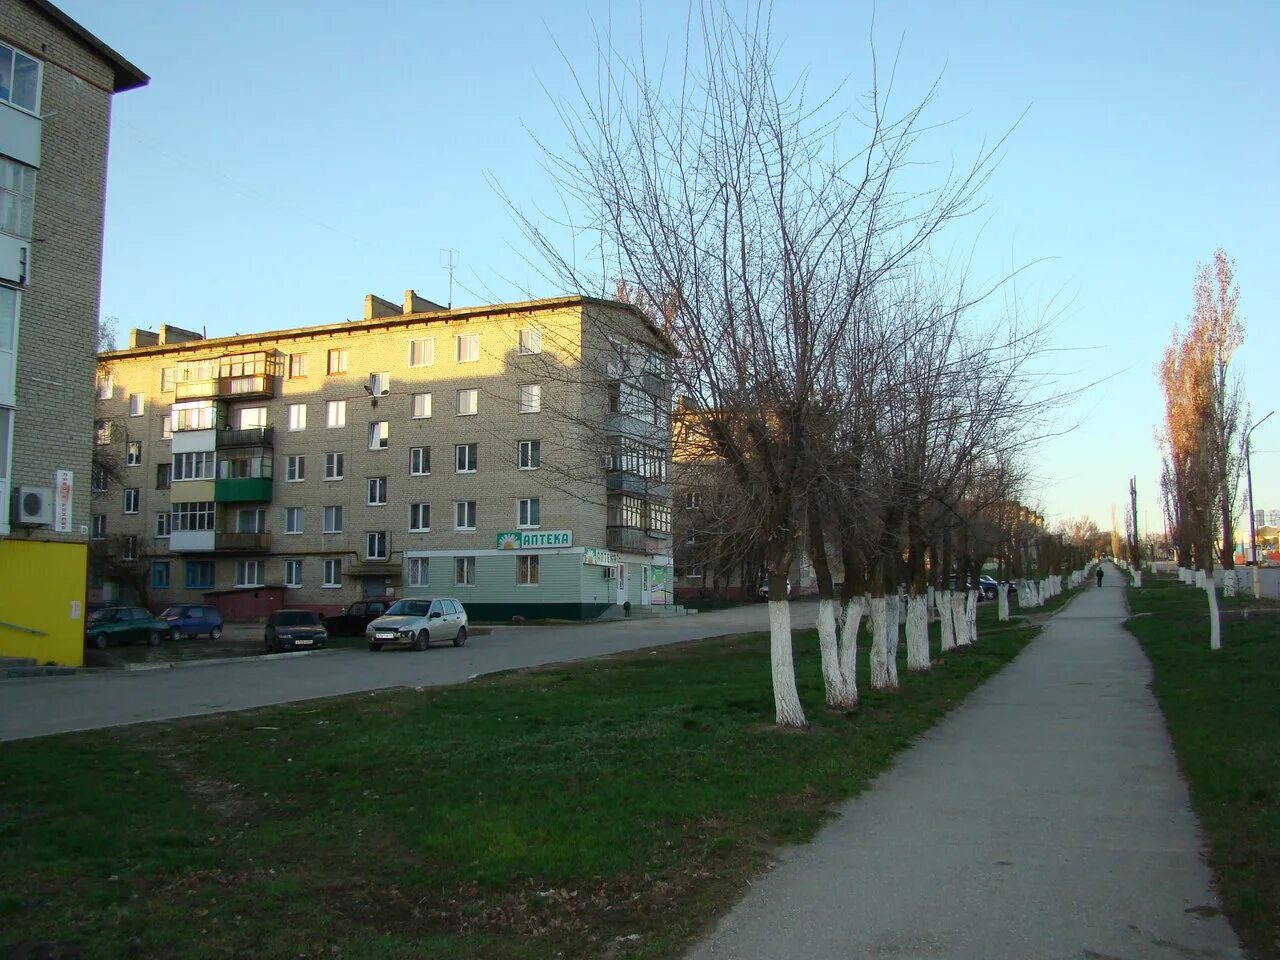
x,y
386,636
302,641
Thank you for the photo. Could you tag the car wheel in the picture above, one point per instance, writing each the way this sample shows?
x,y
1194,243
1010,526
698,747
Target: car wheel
x,y
375,647
215,633
421,640
100,641
175,634
461,638
153,638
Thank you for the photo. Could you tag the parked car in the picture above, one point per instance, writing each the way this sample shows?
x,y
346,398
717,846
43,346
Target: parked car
x,y
763,592
123,625
359,615
191,621
418,622
991,587
289,629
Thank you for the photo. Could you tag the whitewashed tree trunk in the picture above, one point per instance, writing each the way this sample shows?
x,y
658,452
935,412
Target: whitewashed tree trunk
x,y
785,696
930,601
853,612
1257,583
1002,603
958,623
1137,579
1200,579
892,622
879,644
917,634
828,646
1229,584
945,622
971,615
1215,619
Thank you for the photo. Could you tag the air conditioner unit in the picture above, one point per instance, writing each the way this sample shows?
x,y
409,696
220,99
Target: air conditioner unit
x,y
606,462
33,506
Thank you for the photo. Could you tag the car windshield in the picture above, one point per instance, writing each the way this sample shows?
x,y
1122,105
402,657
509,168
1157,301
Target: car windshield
x,y
409,608
106,614
172,612
296,618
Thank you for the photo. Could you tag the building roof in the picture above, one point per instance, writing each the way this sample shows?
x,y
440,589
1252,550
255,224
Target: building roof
x,y
127,76
242,341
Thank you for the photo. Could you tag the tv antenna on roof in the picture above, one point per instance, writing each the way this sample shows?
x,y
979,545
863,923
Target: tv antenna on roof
x,y
449,260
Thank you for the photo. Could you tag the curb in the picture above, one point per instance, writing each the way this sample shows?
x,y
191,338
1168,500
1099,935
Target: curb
x,y
214,661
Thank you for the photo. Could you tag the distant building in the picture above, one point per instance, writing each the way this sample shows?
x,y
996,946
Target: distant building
x,y
512,455
56,84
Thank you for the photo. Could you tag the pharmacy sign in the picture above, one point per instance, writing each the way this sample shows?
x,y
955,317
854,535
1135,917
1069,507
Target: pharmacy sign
x,y
534,539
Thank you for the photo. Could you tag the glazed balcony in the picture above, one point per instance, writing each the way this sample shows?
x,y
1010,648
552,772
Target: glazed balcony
x,y
252,437
243,542
242,490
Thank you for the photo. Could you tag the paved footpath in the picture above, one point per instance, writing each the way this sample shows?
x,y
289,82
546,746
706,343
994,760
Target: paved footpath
x,y
1044,818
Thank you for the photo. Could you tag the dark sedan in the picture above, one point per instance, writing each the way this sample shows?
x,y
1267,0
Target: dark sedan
x,y
355,618
295,630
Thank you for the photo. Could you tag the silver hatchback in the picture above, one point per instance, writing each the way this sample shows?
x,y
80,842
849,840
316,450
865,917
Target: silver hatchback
x,y
418,622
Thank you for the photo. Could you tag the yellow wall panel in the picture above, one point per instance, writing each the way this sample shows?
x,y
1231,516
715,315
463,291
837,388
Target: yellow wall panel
x,y
42,589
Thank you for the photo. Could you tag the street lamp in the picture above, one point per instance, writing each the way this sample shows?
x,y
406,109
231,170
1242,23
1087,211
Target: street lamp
x,y
1253,530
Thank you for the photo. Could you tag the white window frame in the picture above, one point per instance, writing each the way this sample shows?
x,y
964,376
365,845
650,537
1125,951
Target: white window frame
x,y
137,404
335,414
295,468
106,387
133,453
297,367
332,513
524,462
472,457
251,418
163,524
379,434
464,571
472,353
336,361
293,573
131,493
129,547
98,527
376,486
472,406
166,427
13,54
528,570
525,510
530,341
416,512
297,417
335,465
460,510
419,461
294,519
530,400
373,537
420,406
243,568
428,347
331,574
417,571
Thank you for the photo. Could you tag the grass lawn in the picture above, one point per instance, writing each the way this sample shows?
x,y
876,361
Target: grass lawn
x,y
1223,712
607,808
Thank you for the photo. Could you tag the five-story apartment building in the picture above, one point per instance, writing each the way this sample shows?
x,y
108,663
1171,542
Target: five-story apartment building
x,y
514,456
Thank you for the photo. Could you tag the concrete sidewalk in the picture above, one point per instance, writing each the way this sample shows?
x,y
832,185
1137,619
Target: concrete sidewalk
x,y
1044,818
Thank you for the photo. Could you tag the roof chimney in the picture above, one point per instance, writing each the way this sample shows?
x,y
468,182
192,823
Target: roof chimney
x,y
416,304
376,307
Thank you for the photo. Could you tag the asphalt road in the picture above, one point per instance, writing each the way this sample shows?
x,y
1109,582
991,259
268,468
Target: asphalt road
x,y
1044,819
47,705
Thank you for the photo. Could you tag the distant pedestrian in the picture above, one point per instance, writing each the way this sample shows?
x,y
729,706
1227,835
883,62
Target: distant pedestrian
x,y
1099,576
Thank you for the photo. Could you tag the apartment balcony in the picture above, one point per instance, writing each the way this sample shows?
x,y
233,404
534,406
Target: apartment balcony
x,y
620,481
252,437
243,542
242,490
249,387
632,540
191,541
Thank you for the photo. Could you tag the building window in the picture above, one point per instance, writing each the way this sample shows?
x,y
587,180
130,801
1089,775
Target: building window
x,y
419,517
105,387
420,406
102,432
297,416
693,571
464,571
379,434
335,413
248,573
379,384
527,571
377,491
376,545
129,548
464,515
198,575
530,397
252,418
159,574
293,574
17,196
137,404
164,475
530,457
417,571
333,466
333,519
419,461
659,518
193,466
19,79
162,523
530,513
166,380
193,516
98,478
530,341
251,520
194,415
337,362
166,427
422,352
332,573
297,365
131,500
133,454
468,402
626,512
292,519
693,500
99,527
465,458
295,468
468,348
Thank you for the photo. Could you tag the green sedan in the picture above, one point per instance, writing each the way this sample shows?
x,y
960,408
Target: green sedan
x,y
123,625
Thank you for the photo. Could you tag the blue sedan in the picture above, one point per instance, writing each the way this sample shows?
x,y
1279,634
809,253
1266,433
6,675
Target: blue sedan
x,y
193,620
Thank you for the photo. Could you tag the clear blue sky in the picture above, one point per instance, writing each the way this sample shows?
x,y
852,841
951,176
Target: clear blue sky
x,y
290,157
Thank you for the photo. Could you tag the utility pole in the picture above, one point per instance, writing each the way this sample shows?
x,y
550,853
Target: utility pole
x,y
1253,529
1133,500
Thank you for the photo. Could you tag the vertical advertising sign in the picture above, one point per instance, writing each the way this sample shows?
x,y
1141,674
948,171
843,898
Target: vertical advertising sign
x,y
63,487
